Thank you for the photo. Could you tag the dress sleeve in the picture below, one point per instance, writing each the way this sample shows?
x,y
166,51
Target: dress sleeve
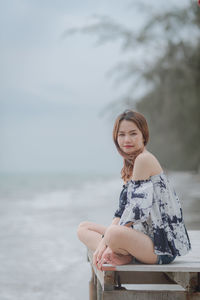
x,y
122,202
139,202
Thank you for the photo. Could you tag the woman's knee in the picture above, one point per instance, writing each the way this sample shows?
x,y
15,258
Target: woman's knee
x,y
113,235
82,227
84,224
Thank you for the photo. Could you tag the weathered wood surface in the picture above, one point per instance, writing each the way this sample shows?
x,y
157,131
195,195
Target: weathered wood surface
x,y
189,281
187,263
108,279
142,278
150,295
93,287
105,278
181,278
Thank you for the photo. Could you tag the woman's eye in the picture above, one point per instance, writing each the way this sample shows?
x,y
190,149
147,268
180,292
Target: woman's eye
x,y
121,134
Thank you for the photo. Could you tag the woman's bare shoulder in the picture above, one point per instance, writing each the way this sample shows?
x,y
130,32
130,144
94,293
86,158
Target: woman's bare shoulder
x,y
146,158
146,165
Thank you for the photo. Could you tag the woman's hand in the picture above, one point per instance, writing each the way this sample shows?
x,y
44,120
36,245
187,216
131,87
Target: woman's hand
x,y
98,253
106,258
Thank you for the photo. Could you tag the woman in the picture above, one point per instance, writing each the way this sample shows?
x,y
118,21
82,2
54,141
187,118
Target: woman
x,y
148,224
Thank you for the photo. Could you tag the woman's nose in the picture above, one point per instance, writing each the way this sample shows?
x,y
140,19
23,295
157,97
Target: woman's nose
x,y
127,138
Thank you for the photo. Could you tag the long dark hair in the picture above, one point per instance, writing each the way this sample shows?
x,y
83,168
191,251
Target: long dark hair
x,y
129,159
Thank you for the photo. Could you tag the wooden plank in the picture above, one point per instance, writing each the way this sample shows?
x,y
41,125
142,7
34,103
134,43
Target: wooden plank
x,y
154,287
106,278
184,270
150,295
142,278
93,287
188,281
109,281
173,267
176,266
98,273
187,263
99,291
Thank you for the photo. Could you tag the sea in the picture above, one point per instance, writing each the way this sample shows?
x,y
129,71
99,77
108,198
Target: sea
x,y
41,257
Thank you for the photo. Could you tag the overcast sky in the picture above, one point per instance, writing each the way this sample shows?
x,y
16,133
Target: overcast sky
x,y
53,89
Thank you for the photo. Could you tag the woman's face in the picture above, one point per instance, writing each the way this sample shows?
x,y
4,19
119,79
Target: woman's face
x,y
129,137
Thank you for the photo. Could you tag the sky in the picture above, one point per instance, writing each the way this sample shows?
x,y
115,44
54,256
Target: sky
x,y
53,89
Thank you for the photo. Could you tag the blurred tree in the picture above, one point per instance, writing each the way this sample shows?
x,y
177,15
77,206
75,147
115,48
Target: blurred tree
x,y
166,60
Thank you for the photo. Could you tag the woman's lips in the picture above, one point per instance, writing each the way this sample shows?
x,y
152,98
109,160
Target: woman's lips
x,y
128,146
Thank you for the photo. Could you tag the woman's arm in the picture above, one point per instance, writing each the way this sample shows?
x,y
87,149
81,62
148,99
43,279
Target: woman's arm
x,y
102,246
115,221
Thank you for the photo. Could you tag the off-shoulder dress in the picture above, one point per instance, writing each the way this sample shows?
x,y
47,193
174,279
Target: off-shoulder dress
x,y
154,208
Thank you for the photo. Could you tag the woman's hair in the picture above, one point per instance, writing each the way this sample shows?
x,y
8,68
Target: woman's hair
x,y
129,159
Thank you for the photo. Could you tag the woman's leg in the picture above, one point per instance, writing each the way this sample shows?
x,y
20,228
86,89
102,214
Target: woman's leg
x,y
125,240
90,233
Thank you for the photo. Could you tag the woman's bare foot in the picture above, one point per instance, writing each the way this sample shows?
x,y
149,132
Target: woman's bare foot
x,y
110,257
119,259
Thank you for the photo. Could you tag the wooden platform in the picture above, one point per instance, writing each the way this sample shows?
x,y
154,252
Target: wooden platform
x,y
178,280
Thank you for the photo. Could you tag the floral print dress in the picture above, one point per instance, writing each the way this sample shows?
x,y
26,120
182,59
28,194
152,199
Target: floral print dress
x,y
154,208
